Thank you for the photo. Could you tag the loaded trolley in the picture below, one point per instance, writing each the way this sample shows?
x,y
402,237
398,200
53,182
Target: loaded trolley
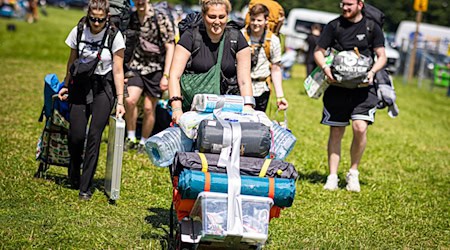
x,y
228,174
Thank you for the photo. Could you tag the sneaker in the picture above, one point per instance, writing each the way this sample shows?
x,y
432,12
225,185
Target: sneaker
x,y
140,149
85,196
129,144
332,182
353,181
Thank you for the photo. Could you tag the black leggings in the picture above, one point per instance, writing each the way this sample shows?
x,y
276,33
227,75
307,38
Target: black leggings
x,y
99,111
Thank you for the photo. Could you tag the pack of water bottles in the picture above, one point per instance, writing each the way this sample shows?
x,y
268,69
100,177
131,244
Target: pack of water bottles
x,y
199,130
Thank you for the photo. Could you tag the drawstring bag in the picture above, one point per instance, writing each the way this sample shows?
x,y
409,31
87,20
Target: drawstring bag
x,y
350,69
202,83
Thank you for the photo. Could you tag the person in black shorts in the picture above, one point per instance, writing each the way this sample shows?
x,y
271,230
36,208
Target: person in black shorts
x,y
151,61
342,104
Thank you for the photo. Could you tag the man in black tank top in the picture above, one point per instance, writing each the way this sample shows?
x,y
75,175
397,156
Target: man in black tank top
x,y
341,105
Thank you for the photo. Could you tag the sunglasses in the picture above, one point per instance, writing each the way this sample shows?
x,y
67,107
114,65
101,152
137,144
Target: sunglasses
x,y
94,19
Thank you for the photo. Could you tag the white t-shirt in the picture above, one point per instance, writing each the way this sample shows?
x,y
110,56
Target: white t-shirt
x,y
88,51
262,68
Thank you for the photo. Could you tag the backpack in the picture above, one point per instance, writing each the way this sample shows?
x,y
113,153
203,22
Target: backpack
x,y
264,43
374,16
163,7
112,32
276,14
194,21
120,13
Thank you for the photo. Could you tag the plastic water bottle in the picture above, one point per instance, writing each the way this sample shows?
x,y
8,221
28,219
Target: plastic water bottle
x,y
161,148
283,140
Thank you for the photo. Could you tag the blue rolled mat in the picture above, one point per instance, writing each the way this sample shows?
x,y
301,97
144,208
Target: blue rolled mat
x,y
191,183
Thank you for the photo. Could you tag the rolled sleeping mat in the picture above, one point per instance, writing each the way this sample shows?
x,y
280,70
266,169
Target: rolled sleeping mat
x,y
208,102
282,191
248,165
162,147
255,140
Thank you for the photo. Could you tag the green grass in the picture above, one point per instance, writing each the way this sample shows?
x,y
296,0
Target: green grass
x,y
404,202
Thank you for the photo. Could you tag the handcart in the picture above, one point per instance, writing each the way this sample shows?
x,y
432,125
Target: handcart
x,y
53,147
202,221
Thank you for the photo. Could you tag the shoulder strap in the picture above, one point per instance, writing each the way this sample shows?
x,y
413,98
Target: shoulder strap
x,y
80,28
337,31
233,35
369,31
197,38
112,32
267,42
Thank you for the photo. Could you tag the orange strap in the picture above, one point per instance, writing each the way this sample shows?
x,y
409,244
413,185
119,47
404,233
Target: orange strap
x,y
207,182
271,188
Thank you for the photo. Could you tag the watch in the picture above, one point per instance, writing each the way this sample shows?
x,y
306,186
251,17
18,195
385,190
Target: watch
x,y
249,100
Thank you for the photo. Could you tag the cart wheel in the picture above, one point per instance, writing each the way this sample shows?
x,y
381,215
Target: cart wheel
x,y
41,170
179,245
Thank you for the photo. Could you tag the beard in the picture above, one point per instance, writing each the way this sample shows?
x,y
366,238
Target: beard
x,y
350,14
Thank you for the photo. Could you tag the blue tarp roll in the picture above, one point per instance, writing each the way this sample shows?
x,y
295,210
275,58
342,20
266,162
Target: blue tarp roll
x,y
191,183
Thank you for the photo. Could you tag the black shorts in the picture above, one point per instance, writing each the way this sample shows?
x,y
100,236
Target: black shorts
x,y
150,83
342,104
262,101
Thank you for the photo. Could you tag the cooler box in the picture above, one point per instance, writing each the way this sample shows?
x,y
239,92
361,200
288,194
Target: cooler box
x,y
211,209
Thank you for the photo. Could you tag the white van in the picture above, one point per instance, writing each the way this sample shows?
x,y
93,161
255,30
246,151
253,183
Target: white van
x,y
298,26
427,32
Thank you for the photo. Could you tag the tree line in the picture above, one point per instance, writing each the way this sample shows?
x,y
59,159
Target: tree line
x,y
395,10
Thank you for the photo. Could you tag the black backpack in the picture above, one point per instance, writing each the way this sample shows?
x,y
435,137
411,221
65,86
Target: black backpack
x,y
373,15
111,33
194,21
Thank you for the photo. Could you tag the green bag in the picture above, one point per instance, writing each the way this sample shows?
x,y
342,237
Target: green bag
x,y
202,83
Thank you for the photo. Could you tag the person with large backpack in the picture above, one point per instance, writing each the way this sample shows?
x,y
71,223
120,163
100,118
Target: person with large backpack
x,y
276,15
349,32
265,61
94,84
151,62
211,57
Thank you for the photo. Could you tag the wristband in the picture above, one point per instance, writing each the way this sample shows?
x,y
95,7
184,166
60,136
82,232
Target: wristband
x,y
249,100
120,104
373,72
175,98
279,99
325,66
166,76
176,109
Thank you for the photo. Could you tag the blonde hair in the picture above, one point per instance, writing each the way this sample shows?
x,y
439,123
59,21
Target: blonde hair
x,y
206,3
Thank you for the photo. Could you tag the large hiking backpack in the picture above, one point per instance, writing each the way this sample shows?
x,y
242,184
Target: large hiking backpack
x,y
276,14
163,7
120,13
263,43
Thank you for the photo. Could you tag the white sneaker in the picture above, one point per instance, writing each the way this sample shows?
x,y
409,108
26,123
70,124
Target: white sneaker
x,y
332,182
353,181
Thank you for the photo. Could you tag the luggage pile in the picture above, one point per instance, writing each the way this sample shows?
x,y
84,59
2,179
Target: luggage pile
x,y
228,174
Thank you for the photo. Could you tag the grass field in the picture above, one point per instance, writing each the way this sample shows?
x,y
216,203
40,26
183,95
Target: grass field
x,y
404,202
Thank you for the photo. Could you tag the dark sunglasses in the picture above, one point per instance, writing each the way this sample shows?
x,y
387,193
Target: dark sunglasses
x,y
94,19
